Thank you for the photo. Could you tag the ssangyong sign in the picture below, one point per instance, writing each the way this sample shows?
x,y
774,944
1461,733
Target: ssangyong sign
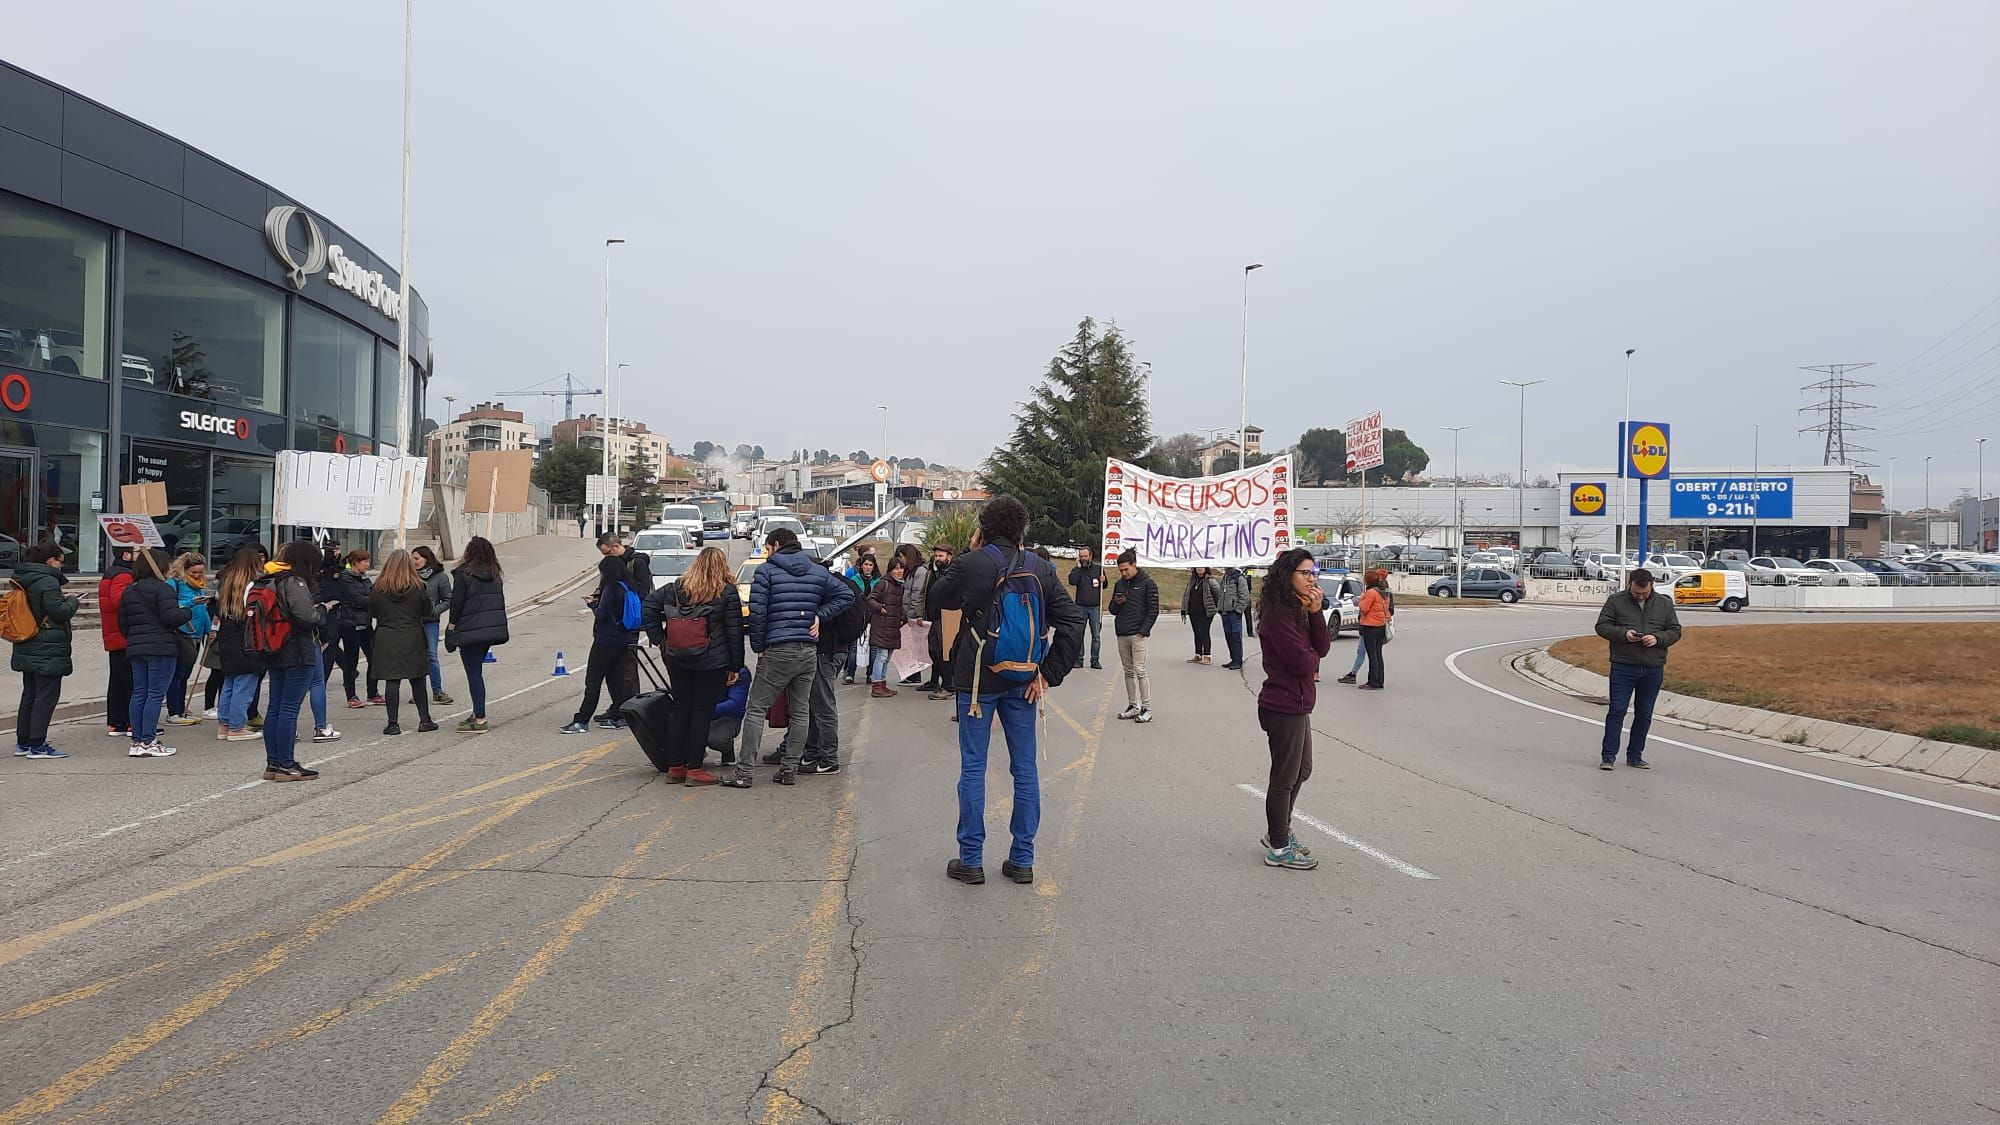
x,y
215,424
345,273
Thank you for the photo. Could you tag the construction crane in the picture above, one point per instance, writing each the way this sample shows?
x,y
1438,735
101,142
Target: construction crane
x,y
571,389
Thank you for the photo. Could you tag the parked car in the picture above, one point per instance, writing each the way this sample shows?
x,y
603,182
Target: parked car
x,y
1841,572
1666,567
1425,560
1951,572
1483,558
1482,582
1343,598
1789,572
1554,564
1892,573
1605,566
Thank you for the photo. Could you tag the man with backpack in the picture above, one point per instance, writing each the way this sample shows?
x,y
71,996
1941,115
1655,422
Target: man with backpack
x,y
836,640
35,617
1004,662
792,598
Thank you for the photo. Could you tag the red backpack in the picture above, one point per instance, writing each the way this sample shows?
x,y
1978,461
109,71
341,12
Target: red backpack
x,y
265,626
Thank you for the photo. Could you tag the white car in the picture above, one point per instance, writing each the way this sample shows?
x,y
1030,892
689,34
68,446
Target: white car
x,y
1789,572
1840,572
1669,567
1343,599
681,517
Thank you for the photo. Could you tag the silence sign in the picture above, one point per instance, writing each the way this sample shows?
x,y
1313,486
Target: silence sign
x,y
1364,443
1242,518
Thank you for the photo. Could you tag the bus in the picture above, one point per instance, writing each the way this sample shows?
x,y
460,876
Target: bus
x,y
714,515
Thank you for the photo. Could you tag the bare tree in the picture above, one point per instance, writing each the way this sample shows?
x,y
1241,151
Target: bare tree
x,y
1346,523
1415,526
1573,534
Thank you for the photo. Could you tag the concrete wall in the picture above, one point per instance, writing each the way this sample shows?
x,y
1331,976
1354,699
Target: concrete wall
x,y
455,525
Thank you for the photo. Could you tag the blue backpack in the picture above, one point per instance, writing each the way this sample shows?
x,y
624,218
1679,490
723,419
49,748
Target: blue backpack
x,y
634,609
1014,640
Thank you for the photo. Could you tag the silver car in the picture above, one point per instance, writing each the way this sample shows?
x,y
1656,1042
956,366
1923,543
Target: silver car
x,y
1789,572
1840,572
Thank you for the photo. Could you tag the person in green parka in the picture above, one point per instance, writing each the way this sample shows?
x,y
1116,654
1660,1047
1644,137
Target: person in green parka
x,y
45,660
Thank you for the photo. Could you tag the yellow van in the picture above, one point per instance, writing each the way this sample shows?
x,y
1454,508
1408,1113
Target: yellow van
x,y
1727,590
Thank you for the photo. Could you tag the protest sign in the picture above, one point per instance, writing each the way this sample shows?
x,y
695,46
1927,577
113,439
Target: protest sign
x,y
1242,518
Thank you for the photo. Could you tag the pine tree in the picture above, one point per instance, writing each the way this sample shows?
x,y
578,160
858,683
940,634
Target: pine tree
x,y
1090,405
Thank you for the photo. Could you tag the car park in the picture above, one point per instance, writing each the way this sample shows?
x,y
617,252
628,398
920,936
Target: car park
x,y
1424,560
1554,564
1892,573
1952,572
1841,572
1343,599
1726,590
1482,582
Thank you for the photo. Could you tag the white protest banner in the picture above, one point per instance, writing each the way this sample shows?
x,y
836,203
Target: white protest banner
x,y
1364,443
1242,518
358,491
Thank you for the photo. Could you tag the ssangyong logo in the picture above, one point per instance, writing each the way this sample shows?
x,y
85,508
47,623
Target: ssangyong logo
x,y
345,272
215,424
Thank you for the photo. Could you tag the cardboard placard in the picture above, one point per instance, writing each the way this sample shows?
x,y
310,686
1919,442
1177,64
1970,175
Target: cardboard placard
x,y
147,499
130,530
497,480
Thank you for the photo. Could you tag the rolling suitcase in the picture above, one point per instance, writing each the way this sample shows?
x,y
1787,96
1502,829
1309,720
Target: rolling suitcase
x,y
645,714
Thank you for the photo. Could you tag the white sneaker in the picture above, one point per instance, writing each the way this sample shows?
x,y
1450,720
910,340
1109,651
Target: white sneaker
x,y
1145,716
208,714
151,749
1130,712
325,734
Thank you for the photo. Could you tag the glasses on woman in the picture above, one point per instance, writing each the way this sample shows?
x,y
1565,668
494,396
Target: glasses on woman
x,y
1309,571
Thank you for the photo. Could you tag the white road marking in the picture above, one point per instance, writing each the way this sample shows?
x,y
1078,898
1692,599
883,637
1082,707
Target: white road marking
x,y
1369,850
1451,662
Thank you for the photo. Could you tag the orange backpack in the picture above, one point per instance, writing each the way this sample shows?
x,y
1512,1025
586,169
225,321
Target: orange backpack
x,y
17,619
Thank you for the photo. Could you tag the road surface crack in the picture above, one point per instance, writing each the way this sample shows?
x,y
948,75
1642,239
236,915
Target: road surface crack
x,y
769,1080
595,824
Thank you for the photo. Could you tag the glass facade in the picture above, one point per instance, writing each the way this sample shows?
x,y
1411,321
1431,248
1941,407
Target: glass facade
x,y
219,368
201,331
53,288
333,372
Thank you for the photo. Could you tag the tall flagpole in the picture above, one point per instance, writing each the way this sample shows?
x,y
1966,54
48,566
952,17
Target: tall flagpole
x,y
402,428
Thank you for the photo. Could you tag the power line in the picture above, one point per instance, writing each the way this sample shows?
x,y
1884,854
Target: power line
x,y
1839,449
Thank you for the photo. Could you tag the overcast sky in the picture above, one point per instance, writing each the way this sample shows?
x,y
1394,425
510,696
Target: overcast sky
x,y
835,206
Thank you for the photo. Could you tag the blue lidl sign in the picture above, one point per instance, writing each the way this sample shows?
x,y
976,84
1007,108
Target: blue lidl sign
x,y
1645,450
1721,499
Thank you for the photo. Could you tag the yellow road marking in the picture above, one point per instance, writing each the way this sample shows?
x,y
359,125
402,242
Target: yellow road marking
x,y
17,948
86,1075
450,1061
822,926
514,1097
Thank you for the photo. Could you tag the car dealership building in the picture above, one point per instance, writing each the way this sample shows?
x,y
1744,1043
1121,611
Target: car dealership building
x,y
165,317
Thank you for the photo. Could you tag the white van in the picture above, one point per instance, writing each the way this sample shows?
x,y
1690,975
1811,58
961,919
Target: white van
x,y
682,517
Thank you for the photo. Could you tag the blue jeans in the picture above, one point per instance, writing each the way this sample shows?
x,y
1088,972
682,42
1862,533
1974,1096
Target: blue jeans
x,y
1093,619
1232,634
316,693
878,663
1360,655
281,722
177,689
232,707
1638,686
431,649
150,677
1017,722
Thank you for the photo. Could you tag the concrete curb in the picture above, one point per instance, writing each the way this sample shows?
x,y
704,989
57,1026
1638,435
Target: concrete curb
x,y
1948,760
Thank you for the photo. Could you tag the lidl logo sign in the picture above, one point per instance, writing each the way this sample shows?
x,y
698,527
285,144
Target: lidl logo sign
x,y
1586,499
1648,452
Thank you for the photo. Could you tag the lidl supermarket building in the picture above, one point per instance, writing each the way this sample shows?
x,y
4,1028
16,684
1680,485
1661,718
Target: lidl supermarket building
x,y
166,317
1801,512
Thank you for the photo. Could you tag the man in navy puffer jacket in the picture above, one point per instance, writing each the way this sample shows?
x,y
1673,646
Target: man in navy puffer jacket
x,y
790,596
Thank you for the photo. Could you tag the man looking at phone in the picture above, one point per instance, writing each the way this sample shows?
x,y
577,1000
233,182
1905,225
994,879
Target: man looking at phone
x,y
1640,626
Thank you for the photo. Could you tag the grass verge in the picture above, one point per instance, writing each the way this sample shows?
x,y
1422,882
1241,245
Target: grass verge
x,y
1935,680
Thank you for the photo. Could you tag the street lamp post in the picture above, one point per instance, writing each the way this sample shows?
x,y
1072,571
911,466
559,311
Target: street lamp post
x,y
1927,503
1457,516
882,487
1521,473
604,430
1243,398
1623,439
1979,502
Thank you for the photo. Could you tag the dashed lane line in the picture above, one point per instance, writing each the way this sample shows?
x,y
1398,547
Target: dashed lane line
x,y
1362,846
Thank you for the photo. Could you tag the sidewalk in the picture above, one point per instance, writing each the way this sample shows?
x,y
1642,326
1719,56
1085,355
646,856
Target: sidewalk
x,y
533,566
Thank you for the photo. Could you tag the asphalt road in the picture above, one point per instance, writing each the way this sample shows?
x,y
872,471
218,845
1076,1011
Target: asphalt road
x,y
527,927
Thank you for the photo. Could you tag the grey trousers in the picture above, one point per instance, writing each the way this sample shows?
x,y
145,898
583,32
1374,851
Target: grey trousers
x,y
788,668
1132,654
823,739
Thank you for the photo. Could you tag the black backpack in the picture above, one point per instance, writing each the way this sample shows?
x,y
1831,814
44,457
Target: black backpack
x,y
687,631
848,627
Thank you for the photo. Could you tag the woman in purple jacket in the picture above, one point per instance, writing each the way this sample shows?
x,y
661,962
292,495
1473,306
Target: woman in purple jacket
x,y
1291,610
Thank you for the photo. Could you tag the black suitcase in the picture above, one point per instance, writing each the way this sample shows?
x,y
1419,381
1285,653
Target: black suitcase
x,y
645,714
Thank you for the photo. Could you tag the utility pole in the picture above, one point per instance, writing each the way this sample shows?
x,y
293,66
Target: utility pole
x,y
1624,424
1457,514
1521,476
604,429
1836,427
1927,503
403,378
1243,399
1756,491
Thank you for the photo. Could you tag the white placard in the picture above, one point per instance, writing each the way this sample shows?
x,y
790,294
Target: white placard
x,y
130,531
600,489
356,491
1364,443
1242,518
